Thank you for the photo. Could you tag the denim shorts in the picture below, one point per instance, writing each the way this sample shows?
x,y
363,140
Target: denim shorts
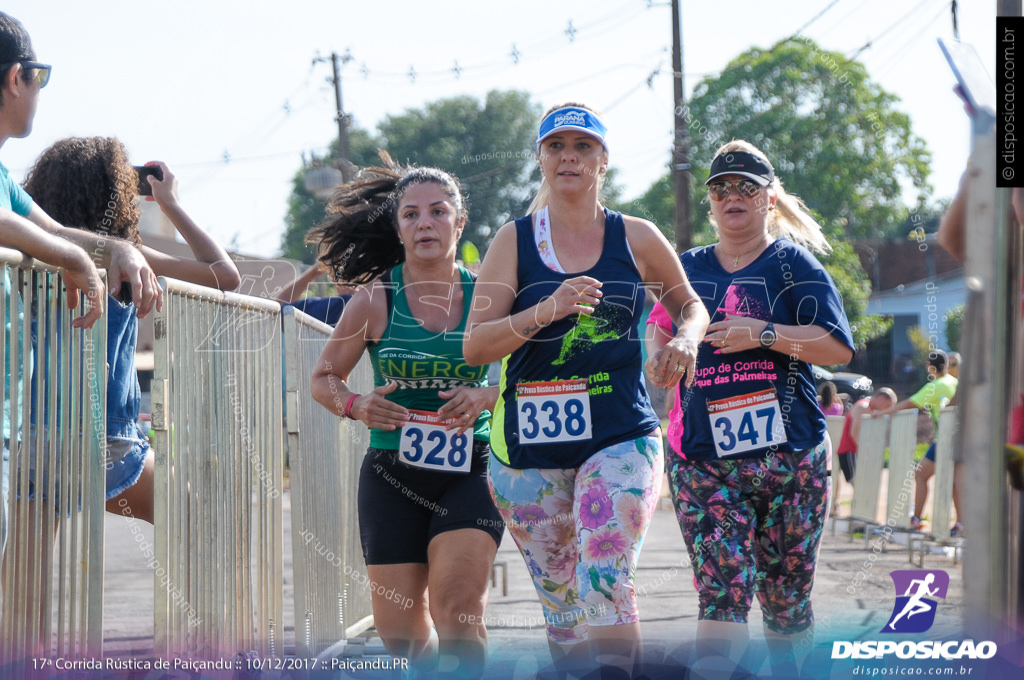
x,y
125,459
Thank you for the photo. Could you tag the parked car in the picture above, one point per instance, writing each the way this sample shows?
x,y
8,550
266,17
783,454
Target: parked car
x,y
854,384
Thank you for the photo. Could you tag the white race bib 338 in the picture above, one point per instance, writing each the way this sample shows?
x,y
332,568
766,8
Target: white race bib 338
x,y
557,411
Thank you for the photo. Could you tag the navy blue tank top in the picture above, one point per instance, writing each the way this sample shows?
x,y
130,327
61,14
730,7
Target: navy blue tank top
x,y
603,350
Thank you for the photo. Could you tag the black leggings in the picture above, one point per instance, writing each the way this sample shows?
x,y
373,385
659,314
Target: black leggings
x,y
402,508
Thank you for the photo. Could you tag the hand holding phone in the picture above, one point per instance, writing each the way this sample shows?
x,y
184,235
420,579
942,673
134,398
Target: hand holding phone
x,y
975,84
144,171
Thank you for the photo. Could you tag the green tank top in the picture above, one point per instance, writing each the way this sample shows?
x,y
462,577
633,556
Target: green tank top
x,y
422,362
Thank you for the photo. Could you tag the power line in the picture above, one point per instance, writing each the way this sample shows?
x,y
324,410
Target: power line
x,y
816,17
842,21
518,54
279,115
602,72
249,159
881,35
774,47
894,59
647,80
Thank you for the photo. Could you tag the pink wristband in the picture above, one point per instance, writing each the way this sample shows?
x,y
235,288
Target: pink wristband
x,y
348,407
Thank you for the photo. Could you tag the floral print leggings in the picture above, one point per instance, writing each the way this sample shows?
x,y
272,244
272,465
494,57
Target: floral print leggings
x,y
580,531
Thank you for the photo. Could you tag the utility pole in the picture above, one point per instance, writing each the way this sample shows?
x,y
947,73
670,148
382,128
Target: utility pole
x,y
681,145
344,164
1008,8
992,592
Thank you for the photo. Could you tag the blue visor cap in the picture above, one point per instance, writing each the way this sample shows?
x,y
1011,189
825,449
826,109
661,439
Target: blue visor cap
x,y
741,163
572,118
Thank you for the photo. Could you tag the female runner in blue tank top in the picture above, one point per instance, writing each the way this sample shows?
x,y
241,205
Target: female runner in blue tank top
x,y
748,465
577,457
428,526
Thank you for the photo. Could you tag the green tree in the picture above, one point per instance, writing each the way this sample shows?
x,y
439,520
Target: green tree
x,y
306,210
955,327
656,205
853,285
488,145
835,138
920,342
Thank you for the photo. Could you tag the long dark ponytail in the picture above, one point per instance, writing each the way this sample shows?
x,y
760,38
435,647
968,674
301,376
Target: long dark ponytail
x,y
358,240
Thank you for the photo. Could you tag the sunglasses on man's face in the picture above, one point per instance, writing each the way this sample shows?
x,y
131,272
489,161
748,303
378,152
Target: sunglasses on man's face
x,y
41,75
718,191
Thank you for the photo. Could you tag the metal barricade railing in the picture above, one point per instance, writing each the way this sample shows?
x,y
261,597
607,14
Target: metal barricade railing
x,y
868,478
902,429
942,496
52,573
900,494
331,602
217,417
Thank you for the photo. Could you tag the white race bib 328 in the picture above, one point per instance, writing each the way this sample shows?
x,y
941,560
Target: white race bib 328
x,y
426,443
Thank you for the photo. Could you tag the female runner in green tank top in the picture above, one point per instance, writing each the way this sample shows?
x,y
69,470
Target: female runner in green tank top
x,y
426,518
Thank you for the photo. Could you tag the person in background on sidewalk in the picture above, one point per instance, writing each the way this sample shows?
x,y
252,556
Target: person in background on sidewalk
x,y
327,308
828,399
953,368
933,396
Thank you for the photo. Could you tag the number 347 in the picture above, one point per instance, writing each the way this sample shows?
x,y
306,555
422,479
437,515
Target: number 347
x,y
747,431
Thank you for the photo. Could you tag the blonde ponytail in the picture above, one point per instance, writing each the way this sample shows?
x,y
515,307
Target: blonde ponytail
x,y
542,198
791,219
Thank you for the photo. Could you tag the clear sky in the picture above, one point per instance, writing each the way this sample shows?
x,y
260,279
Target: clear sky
x,y
226,92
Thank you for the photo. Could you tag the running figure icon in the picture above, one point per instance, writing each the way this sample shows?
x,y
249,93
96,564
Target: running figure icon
x,y
915,605
917,595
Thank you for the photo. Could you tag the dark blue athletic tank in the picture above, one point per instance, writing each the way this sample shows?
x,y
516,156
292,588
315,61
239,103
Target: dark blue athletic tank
x,y
603,349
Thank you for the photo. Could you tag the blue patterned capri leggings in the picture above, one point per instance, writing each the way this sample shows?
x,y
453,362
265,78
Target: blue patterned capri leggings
x,y
753,526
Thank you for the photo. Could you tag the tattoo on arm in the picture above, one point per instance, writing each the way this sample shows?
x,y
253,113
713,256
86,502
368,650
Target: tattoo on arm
x,y
530,330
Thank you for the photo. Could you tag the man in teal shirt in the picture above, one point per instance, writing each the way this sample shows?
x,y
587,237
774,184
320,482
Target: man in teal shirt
x,y
936,393
12,198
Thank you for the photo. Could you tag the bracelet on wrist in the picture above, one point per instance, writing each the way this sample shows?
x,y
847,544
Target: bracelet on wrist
x,y
347,413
